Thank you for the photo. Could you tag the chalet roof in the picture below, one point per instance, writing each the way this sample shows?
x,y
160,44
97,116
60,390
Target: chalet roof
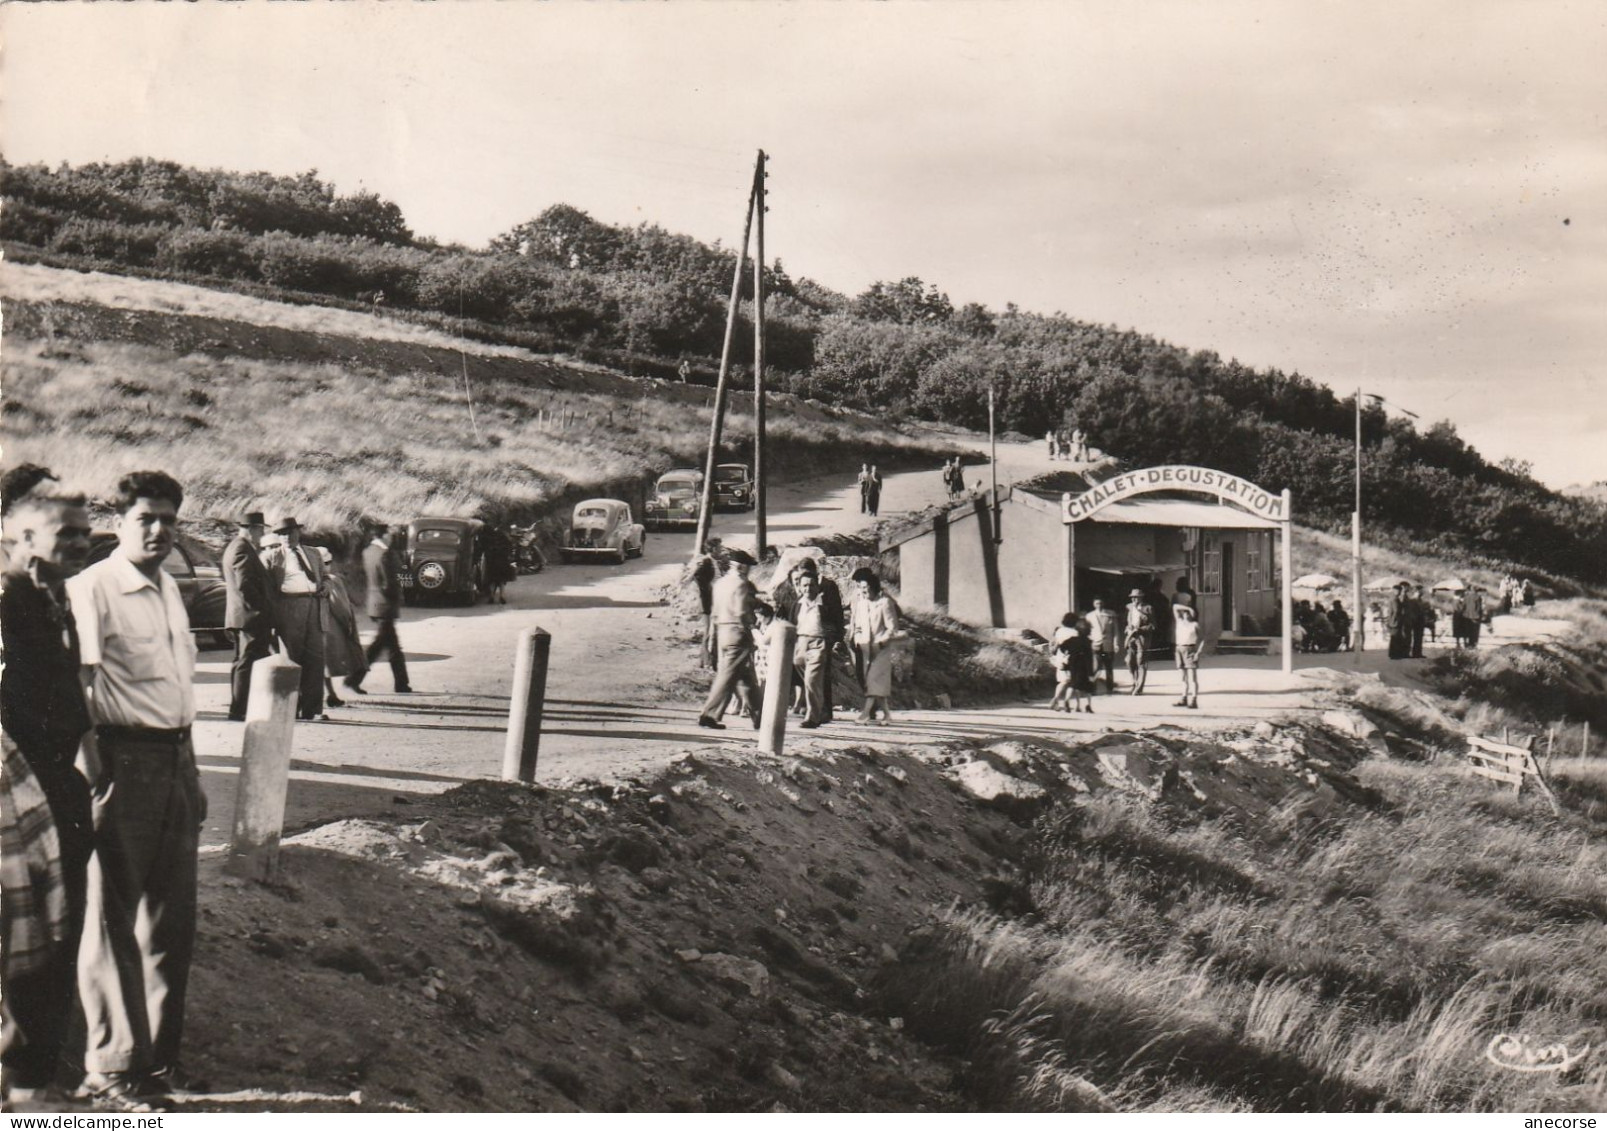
x,y
1180,512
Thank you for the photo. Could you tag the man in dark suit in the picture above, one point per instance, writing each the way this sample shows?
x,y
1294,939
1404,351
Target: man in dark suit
x,y
383,604
248,608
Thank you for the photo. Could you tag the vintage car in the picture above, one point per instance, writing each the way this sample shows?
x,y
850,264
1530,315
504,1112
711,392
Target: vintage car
x,y
444,560
677,499
200,581
733,487
603,528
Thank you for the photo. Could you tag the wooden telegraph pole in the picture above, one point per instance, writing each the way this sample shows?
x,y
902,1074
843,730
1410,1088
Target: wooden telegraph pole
x,y
717,420
759,209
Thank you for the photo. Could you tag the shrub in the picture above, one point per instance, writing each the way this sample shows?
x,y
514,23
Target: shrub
x,y
226,255
108,240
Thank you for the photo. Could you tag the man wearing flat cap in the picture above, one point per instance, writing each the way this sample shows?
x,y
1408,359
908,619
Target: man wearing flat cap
x,y
296,580
732,610
248,608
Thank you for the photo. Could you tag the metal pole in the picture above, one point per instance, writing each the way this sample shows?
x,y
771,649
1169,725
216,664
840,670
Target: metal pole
x,y
717,420
1358,622
526,701
759,209
259,799
777,686
1287,557
993,469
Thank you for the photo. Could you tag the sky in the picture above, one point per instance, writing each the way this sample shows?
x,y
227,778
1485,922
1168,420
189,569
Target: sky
x,y
1407,197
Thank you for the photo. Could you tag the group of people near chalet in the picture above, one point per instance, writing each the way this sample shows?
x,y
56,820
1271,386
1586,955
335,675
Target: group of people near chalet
x,y
1085,644
102,798
737,627
1067,444
1317,629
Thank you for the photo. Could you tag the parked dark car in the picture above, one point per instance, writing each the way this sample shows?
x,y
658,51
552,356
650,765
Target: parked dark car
x,y
200,581
676,501
444,560
733,487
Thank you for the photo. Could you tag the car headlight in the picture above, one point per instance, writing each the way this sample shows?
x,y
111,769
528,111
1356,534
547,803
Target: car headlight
x,y
432,575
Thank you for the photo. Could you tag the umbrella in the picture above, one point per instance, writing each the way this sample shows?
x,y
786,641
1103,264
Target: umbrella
x,y
1450,585
1386,583
1315,581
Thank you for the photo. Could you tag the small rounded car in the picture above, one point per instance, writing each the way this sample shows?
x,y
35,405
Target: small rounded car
x,y
200,581
733,487
444,560
677,499
603,528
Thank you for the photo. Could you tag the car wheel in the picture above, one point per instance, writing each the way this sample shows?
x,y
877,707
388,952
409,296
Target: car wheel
x,y
622,555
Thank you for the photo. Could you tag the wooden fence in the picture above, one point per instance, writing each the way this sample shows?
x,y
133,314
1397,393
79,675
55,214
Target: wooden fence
x,y
1508,764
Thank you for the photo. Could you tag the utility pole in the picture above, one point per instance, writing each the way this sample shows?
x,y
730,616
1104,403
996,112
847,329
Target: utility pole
x,y
759,209
717,419
993,469
1358,631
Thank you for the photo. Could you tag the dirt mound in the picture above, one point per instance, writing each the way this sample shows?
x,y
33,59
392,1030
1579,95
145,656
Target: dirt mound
x,y
706,940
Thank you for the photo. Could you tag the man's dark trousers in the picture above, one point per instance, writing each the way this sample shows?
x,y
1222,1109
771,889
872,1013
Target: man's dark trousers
x,y
139,934
384,641
250,645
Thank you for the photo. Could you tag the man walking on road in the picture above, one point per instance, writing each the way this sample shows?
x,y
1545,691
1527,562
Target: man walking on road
x,y
864,488
248,608
873,492
139,665
733,627
383,604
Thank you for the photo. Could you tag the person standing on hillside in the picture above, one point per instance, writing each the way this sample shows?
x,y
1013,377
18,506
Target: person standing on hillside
x,y
48,823
732,611
138,669
248,608
1102,633
296,579
383,604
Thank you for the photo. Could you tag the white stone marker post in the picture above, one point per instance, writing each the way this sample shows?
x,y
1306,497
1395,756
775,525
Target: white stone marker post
x,y
777,687
528,697
259,802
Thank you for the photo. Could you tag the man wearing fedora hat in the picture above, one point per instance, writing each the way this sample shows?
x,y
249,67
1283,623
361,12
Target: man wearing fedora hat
x,y
296,579
248,608
733,615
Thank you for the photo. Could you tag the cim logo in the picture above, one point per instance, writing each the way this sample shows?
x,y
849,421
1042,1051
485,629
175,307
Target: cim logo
x,y
1228,488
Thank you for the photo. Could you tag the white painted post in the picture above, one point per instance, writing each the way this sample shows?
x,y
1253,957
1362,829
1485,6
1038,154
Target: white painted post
x,y
527,699
777,687
259,804
1287,558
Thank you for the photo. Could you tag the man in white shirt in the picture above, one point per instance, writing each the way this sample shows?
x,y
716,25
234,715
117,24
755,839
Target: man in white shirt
x,y
1102,633
732,610
139,662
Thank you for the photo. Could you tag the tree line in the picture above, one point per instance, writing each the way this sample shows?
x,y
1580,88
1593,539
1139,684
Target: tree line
x,y
564,280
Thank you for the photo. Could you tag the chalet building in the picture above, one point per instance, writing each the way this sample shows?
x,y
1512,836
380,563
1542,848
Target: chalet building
x,y
1057,543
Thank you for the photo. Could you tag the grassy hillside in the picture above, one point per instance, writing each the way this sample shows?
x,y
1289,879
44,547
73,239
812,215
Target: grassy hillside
x,y
331,415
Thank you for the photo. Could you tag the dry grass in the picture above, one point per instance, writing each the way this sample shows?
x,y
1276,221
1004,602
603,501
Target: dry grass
x,y
1182,965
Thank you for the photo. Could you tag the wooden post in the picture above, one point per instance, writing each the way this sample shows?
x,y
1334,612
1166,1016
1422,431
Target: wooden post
x,y
528,696
993,472
259,800
759,209
717,420
1286,557
777,687
1584,740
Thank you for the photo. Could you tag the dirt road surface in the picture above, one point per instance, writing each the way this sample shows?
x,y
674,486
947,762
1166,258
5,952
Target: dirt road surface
x,y
612,647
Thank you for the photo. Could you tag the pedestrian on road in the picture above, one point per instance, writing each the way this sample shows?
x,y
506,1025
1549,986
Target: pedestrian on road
x,y
296,579
383,604
1417,620
1102,634
247,609
1186,644
873,625
704,574
1473,614
499,567
1398,621
1049,441
1340,619
138,668
343,647
732,610
873,493
864,488
1079,443
1140,631
804,604
1074,666
48,828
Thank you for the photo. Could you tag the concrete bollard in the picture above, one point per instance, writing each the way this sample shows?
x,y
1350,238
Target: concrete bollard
x,y
777,687
528,697
259,803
